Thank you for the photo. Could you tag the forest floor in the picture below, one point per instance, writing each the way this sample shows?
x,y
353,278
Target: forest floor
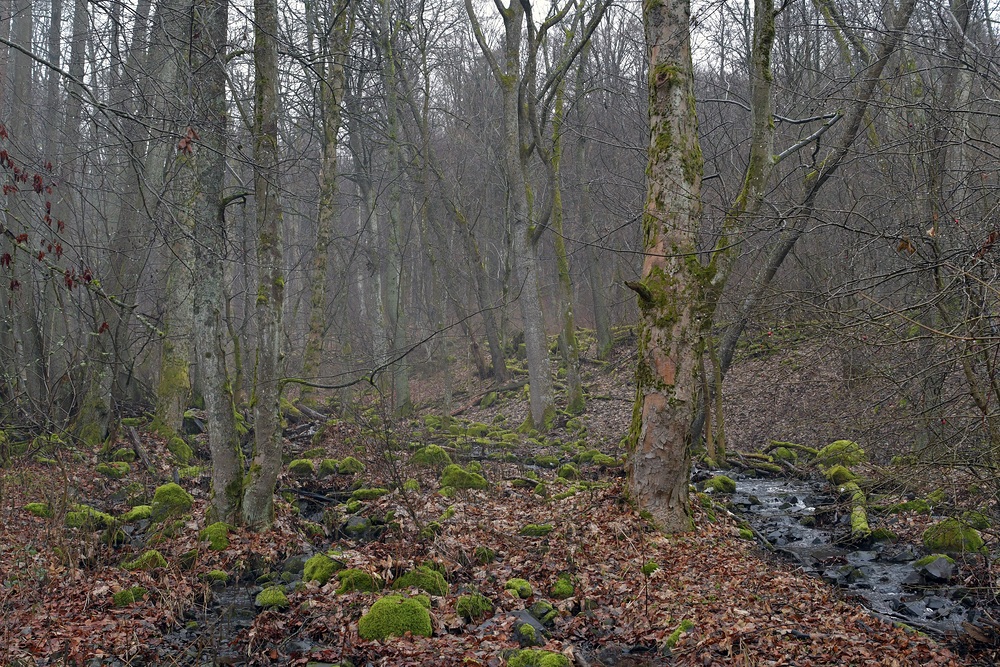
x,y
638,597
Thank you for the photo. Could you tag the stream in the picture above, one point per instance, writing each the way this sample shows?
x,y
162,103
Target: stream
x,y
803,521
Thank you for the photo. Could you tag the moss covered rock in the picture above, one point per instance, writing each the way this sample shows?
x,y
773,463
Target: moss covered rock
x,y
39,509
484,555
328,467
394,616
149,560
170,501
368,494
473,607
424,578
88,518
128,596
217,536
569,471
320,568
720,484
350,466
530,657
838,475
180,449
216,576
272,597
459,478
952,536
563,588
841,452
430,456
137,513
114,469
301,468
123,454
356,580
519,587
536,530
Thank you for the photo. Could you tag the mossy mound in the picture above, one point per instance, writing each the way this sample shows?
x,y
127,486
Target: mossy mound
x,y
919,506
547,461
39,509
356,580
368,494
328,467
170,501
350,466
217,536
149,560
484,555
137,513
977,520
563,588
569,471
216,576
952,536
124,455
520,587
459,478
720,484
411,486
124,598
424,578
181,450
301,468
530,657
927,560
431,456
272,597
320,568
838,475
114,469
841,452
394,616
89,518
785,454
536,530
473,607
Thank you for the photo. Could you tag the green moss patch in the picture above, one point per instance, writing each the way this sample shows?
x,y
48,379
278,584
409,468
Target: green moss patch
x,y
460,478
350,466
39,509
320,568
430,456
563,588
356,580
217,536
424,578
149,560
123,454
530,657
520,587
272,597
952,536
170,501
128,596
473,607
301,468
137,513
394,616
368,494
328,467
838,475
88,518
536,530
841,452
721,484
114,469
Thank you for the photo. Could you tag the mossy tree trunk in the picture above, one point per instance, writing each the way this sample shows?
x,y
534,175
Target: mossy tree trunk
x,y
331,97
258,498
205,152
672,289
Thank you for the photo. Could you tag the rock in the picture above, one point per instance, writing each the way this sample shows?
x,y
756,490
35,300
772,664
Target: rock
x,y
720,484
170,501
357,526
905,556
394,616
912,580
544,612
952,536
936,567
915,609
529,631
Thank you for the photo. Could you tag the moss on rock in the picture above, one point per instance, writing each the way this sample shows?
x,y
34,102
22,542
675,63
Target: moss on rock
x,y
720,484
424,578
368,494
217,536
149,560
563,588
328,467
128,596
114,469
841,452
530,657
87,517
216,576
952,536
520,587
473,607
272,597
320,568
839,474
181,450
124,455
169,501
356,580
301,468
137,513
394,616
39,509
457,477
430,456
536,530
350,466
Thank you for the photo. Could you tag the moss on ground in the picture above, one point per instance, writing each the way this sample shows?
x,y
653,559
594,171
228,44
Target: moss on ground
x,y
424,578
394,616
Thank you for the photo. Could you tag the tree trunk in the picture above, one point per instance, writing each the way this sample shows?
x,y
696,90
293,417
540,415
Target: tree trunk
x,y
258,499
672,290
